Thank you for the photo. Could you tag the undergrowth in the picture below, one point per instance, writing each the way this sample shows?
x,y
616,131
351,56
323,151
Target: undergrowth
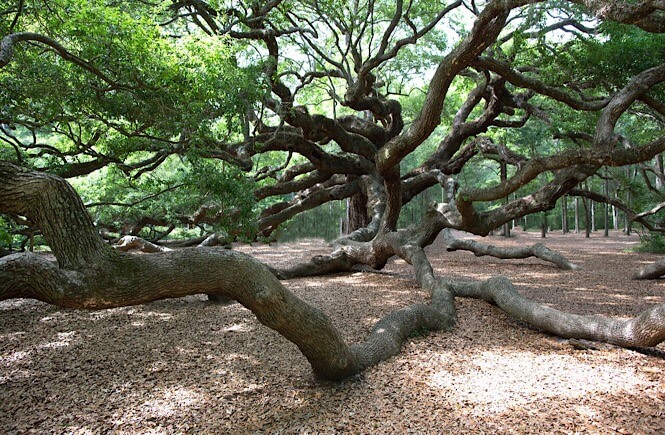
x,y
651,242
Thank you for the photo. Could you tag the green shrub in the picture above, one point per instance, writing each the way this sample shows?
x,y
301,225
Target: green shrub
x,y
652,242
6,238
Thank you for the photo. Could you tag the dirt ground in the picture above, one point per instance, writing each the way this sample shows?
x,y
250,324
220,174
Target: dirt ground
x,y
189,366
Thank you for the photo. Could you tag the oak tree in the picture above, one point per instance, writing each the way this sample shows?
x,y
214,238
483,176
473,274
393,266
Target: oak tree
x,y
369,100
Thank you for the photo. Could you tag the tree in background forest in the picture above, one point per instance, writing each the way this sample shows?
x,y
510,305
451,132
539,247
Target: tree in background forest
x,y
191,113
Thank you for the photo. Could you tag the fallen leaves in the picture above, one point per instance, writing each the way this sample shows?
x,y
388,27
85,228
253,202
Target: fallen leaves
x,y
188,366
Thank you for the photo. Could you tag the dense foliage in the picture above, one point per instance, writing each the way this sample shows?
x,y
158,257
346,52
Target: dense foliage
x,y
167,115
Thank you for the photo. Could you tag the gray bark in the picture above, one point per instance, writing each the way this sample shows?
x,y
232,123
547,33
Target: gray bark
x,y
652,271
538,250
647,329
92,275
101,277
564,214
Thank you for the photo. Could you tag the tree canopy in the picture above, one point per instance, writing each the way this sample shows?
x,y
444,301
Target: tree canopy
x,y
320,101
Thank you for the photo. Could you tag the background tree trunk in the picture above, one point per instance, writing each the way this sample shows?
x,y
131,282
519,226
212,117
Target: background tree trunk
x,y
358,216
660,175
564,214
606,217
587,217
504,177
629,199
577,215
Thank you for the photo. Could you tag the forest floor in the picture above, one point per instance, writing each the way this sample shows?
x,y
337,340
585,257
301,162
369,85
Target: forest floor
x,y
187,365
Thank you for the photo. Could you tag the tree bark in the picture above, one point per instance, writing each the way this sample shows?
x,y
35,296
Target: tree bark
x,y
660,172
653,271
647,329
358,217
564,214
504,178
538,250
587,226
92,275
606,218
627,221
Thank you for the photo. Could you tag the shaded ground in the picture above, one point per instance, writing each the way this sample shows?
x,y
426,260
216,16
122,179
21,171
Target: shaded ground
x,y
190,366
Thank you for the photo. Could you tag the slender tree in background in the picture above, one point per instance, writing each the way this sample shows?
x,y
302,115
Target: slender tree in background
x,y
564,214
506,105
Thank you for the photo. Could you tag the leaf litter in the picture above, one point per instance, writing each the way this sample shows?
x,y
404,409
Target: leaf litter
x,y
190,366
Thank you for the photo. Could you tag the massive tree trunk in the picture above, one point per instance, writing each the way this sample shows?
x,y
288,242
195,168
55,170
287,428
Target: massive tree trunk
x,y
90,274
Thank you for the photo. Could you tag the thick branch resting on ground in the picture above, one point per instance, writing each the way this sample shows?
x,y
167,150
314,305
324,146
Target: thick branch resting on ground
x,y
652,271
479,249
127,243
92,275
645,330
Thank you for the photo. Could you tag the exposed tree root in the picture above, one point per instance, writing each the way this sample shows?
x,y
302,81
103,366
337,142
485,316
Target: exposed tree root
x,y
538,250
92,275
127,243
132,280
216,239
338,261
389,333
652,271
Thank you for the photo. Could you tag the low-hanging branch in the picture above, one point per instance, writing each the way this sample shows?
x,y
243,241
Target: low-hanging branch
x,y
631,214
368,150
92,275
333,189
8,43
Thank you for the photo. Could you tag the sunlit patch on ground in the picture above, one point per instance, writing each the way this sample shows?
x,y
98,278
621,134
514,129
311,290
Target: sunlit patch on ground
x,y
13,357
170,401
498,381
13,304
236,327
62,339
